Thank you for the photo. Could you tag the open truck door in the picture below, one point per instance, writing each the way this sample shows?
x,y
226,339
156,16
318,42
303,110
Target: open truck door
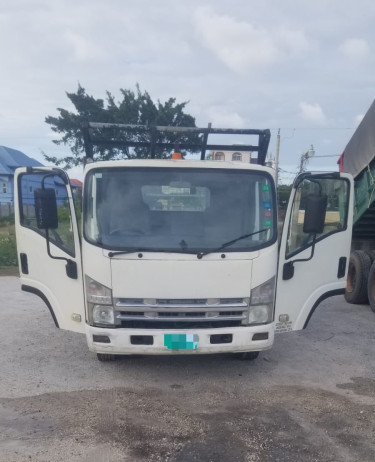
x,y
48,243
315,247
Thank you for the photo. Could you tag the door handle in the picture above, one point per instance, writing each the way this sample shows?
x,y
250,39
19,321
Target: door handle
x,y
342,267
24,263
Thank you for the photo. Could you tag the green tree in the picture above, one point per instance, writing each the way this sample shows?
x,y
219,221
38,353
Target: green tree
x,y
283,193
133,108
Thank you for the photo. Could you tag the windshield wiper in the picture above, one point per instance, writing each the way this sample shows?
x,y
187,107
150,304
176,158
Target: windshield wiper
x,y
144,249
229,243
199,254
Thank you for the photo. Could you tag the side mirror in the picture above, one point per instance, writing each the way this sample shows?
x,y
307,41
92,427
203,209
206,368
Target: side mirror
x,y
315,212
46,208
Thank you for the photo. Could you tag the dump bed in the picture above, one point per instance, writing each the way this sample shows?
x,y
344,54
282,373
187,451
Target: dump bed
x,y
358,159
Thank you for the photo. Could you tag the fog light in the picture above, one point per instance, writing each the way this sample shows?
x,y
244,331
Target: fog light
x,y
101,339
260,336
102,314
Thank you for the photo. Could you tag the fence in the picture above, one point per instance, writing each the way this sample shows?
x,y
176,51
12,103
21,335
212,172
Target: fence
x,y
6,209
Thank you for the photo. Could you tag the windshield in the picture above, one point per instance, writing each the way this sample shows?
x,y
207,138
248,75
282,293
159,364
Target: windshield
x,y
179,209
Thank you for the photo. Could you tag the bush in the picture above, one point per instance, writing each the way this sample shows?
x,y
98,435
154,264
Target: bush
x,y
63,213
6,221
8,251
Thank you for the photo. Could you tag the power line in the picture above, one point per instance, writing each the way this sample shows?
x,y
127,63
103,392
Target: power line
x,y
287,171
329,155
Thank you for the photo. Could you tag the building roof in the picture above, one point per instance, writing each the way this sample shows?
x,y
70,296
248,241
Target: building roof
x,y
76,183
10,159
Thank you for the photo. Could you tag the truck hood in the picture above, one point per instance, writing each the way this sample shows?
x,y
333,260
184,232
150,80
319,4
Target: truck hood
x,y
179,279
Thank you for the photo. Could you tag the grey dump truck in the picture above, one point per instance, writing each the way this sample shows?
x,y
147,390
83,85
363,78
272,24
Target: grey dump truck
x,y
358,159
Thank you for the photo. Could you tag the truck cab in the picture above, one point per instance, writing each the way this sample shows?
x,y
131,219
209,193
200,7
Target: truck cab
x,y
181,256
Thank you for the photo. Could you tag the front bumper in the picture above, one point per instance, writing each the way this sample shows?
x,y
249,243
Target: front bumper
x,y
121,340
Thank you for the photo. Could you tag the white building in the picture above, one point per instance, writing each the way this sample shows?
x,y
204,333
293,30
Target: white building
x,y
239,156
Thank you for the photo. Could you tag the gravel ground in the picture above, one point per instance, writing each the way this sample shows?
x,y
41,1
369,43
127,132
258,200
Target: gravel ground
x,y
310,398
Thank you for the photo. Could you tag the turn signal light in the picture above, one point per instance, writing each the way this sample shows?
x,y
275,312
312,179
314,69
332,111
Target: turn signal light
x,y
176,156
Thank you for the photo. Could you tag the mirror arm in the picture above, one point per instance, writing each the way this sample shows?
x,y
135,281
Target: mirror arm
x,y
318,183
71,265
65,178
49,249
312,252
44,178
288,269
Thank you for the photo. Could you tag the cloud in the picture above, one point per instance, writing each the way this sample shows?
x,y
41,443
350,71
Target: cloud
x,y
312,112
238,65
358,119
222,117
355,49
83,49
242,46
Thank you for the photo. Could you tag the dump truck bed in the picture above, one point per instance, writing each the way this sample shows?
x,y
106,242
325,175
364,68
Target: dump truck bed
x,y
358,159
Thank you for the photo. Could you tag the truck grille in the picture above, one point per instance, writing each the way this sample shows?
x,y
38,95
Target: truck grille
x,y
181,313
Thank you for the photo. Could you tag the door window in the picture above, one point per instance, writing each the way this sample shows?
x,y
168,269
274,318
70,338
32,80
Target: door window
x,y
62,236
337,191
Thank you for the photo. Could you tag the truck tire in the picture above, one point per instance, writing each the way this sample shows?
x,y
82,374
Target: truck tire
x,y
371,287
371,254
356,283
106,357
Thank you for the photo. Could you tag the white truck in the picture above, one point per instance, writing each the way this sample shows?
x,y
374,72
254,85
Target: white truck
x,y
181,256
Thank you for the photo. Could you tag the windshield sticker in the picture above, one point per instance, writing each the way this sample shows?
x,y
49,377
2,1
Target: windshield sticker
x,y
268,213
267,205
267,223
266,187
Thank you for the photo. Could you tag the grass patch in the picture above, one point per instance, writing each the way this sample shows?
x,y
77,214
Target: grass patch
x,y
6,221
8,250
9,271
7,230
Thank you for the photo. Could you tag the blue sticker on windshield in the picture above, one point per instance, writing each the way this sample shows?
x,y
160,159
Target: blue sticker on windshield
x,y
267,205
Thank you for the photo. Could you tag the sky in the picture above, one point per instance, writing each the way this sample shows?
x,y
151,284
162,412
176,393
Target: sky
x,y
306,68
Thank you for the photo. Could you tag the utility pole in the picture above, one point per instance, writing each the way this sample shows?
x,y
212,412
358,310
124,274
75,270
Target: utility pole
x,y
305,159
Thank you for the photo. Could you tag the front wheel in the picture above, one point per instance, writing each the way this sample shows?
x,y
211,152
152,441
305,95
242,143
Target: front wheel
x,y
247,355
106,357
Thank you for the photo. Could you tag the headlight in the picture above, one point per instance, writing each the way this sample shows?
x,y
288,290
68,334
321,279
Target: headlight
x,y
261,303
99,303
103,314
97,293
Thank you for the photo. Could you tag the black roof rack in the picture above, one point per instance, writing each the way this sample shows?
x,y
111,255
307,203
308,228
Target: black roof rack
x,y
93,138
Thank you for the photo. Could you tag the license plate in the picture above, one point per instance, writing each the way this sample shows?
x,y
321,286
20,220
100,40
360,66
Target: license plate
x,y
181,341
